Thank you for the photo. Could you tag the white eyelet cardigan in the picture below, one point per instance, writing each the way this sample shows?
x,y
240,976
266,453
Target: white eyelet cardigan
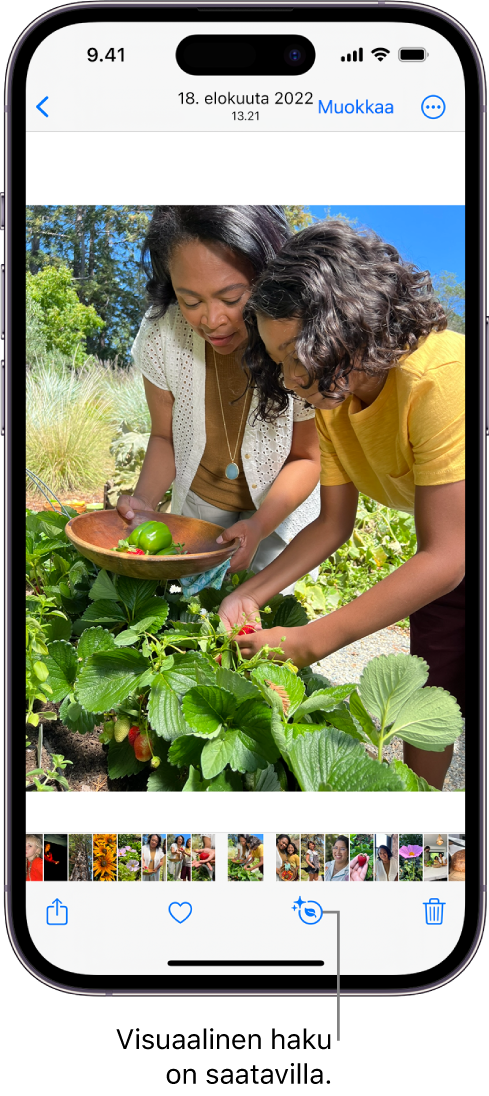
x,y
172,356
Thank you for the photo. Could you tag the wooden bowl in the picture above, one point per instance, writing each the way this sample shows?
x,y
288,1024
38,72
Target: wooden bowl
x,y
95,534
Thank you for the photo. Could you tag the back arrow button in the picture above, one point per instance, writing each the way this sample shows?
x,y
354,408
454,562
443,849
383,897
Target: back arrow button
x,y
39,106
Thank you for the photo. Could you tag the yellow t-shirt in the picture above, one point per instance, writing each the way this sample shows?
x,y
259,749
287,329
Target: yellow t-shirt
x,y
411,435
257,854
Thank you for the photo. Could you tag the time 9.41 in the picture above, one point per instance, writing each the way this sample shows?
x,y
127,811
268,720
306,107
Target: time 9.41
x,y
111,55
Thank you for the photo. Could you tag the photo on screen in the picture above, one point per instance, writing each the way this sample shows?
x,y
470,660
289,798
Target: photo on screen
x,y
80,857
153,857
55,857
336,858
288,857
411,857
435,857
361,857
179,858
245,857
312,857
456,851
34,851
159,400
129,857
203,857
105,857
386,857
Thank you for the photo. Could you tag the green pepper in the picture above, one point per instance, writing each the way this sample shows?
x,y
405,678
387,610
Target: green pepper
x,y
172,550
133,537
153,536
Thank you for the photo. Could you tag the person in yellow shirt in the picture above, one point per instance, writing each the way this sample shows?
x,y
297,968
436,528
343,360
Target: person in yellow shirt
x,y
255,857
339,318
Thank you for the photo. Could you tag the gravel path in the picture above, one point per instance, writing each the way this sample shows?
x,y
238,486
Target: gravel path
x,y
347,665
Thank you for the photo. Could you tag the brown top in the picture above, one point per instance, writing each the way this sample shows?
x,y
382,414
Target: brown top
x,y
210,482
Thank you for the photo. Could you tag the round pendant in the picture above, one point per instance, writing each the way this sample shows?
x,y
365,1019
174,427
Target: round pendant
x,y
232,471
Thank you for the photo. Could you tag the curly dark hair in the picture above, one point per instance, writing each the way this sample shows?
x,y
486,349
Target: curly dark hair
x,y
387,850
357,300
255,233
150,835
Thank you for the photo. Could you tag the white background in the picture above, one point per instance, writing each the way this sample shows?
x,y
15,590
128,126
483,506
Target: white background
x,y
432,1043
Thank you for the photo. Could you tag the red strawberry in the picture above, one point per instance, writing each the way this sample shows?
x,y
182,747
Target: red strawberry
x,y
247,630
133,734
218,659
362,860
136,552
142,748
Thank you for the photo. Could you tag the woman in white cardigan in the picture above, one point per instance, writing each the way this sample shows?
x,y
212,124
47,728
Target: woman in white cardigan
x,y
258,480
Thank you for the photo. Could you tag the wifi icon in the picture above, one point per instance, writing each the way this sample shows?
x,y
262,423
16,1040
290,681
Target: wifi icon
x,y
380,52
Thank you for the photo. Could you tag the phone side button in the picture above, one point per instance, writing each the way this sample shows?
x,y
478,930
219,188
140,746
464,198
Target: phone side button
x,y
2,396
487,375
2,301
2,210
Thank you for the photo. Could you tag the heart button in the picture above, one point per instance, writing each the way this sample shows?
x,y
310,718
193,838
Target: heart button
x,y
180,911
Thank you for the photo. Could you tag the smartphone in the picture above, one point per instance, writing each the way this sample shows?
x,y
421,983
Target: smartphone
x,y
235,256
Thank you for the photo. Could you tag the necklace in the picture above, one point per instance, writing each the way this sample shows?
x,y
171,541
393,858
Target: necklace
x,y
231,470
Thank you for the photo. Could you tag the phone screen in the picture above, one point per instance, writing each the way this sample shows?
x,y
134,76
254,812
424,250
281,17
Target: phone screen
x,y
245,311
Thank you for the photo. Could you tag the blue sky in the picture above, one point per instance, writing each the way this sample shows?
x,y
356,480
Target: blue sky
x,y
430,236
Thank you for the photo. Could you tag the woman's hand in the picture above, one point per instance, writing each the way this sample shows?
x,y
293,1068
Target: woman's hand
x,y
357,873
128,504
250,537
290,640
239,609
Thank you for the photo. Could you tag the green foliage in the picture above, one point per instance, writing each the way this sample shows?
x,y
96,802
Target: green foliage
x,y
101,247
236,872
382,540
451,295
65,322
148,654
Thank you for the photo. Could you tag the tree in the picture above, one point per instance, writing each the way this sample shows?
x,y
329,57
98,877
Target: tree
x,y
60,318
451,295
101,246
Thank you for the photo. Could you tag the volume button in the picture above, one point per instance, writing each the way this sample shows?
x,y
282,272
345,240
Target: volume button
x,y
2,211
2,385
487,375
2,302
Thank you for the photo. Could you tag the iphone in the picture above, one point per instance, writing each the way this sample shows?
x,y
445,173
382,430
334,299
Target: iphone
x,y
236,243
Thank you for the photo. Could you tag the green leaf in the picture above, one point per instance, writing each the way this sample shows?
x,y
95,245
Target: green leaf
x,y
216,754
313,681
429,720
195,782
239,686
41,671
254,718
165,778
127,638
134,592
207,708
279,733
62,665
108,677
151,615
103,588
185,751
225,782
290,614
76,718
284,678
94,639
164,712
122,761
244,757
57,627
183,674
388,681
412,782
329,760
344,721
104,612
324,700
267,780
359,712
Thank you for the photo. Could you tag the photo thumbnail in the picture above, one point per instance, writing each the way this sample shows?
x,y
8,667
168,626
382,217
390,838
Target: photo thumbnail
x,y
55,857
336,858
80,858
245,857
179,858
153,856
312,857
361,857
435,857
203,857
386,857
129,857
411,857
105,857
288,857
198,379
34,851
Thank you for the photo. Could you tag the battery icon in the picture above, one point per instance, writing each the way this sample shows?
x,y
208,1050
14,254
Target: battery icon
x,y
412,54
